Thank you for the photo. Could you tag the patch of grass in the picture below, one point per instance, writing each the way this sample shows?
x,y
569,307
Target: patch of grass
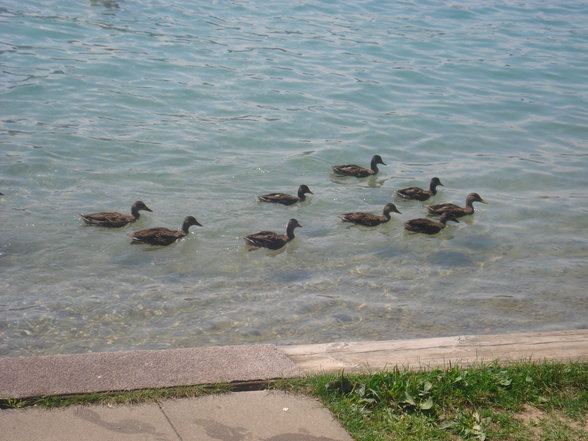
x,y
477,403
114,398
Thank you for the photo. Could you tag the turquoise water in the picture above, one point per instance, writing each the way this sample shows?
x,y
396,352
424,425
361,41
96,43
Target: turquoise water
x,y
197,107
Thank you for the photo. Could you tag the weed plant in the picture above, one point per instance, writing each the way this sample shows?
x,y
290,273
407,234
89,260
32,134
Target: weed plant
x,y
478,403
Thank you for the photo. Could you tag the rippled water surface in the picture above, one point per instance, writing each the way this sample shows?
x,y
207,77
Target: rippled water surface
x,y
197,107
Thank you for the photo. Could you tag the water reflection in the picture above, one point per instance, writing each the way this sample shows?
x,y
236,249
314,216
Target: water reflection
x,y
108,4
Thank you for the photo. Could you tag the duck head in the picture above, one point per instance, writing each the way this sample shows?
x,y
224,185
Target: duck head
x,y
303,189
189,221
436,182
140,205
475,197
377,159
390,207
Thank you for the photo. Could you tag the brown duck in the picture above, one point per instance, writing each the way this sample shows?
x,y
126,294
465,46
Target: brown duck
x,y
418,193
286,199
271,240
456,210
428,226
162,235
114,219
357,171
368,219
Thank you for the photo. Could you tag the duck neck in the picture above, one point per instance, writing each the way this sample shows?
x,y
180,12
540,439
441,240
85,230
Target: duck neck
x,y
135,212
374,166
301,195
387,214
290,231
186,227
433,188
469,205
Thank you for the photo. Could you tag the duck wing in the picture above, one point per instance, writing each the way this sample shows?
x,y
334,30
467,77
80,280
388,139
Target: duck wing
x,y
156,236
423,225
367,219
352,170
108,219
267,239
414,193
443,208
279,198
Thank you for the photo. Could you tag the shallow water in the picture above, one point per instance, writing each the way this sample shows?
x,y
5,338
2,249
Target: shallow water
x,y
196,108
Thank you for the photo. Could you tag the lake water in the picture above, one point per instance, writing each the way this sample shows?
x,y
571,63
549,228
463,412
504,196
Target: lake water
x,y
197,107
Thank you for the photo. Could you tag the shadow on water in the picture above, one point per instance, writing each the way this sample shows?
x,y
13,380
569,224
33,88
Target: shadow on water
x,y
108,4
450,258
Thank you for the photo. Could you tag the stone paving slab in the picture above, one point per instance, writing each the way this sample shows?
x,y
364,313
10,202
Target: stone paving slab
x,y
241,416
143,422
257,415
22,377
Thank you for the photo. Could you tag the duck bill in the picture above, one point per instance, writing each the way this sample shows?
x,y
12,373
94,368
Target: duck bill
x,y
484,201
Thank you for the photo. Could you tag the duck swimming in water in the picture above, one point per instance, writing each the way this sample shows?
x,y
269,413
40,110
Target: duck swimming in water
x,y
368,219
428,226
357,171
114,219
418,193
456,210
162,235
271,240
286,199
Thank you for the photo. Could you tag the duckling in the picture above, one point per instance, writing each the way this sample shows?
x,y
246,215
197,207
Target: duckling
x,y
428,226
271,240
286,199
114,219
357,171
456,210
418,193
368,219
162,235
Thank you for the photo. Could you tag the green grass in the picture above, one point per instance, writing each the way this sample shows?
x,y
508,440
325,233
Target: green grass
x,y
482,403
124,397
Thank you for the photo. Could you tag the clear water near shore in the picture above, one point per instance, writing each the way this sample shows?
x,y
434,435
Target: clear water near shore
x,y
196,108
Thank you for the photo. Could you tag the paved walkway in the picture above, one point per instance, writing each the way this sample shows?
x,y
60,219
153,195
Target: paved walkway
x,y
241,416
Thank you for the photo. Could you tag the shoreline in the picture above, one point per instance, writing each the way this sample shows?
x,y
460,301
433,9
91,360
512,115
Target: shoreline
x,y
42,376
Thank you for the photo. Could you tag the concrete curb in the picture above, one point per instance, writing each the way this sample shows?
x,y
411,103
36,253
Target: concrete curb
x,y
27,377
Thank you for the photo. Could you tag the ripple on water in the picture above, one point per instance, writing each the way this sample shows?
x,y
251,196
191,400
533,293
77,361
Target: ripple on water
x,y
197,114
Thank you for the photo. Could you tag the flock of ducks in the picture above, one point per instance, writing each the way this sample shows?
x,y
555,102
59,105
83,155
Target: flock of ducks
x,y
268,239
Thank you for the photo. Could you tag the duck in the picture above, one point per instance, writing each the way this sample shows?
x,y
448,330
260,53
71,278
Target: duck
x,y
271,240
286,199
456,210
428,226
418,193
162,235
368,219
114,219
357,171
